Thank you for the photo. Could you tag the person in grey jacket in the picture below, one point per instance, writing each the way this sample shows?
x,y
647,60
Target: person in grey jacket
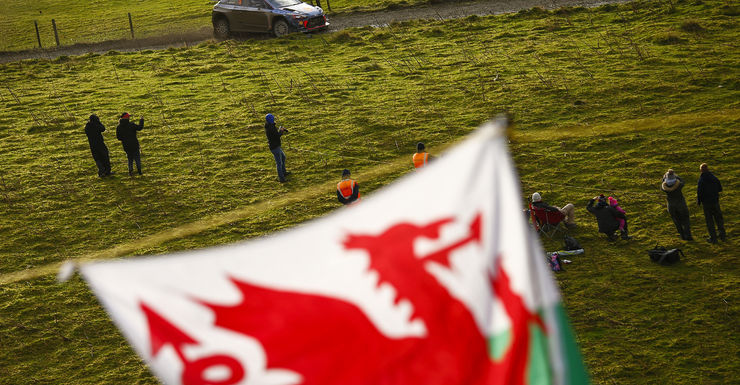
x,y
672,185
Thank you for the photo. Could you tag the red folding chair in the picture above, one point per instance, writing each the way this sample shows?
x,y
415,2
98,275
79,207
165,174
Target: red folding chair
x,y
547,222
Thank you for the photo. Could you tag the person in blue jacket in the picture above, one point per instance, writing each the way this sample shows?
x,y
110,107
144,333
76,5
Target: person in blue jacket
x,y
274,135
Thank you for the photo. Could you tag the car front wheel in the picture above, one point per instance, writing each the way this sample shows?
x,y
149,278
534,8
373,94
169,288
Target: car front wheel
x,y
221,29
280,28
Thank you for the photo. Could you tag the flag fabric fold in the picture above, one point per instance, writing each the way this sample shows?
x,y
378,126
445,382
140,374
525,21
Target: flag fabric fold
x,y
437,279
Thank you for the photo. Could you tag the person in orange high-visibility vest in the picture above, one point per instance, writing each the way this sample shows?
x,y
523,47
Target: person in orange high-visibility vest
x,y
421,158
348,191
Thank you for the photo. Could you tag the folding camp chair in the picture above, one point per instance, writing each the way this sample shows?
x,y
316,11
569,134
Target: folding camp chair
x,y
547,222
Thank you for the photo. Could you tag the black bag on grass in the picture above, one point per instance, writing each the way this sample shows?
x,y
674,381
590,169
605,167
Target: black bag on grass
x,y
664,256
571,243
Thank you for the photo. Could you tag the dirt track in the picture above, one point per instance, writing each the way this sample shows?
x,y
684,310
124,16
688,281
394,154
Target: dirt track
x,y
338,22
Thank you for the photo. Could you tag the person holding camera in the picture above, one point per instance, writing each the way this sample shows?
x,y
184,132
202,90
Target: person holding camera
x,y
126,133
672,185
607,218
273,139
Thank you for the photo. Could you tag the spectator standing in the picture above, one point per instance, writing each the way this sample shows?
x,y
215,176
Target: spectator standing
x,y
348,191
94,130
568,210
606,217
274,135
707,195
672,185
126,133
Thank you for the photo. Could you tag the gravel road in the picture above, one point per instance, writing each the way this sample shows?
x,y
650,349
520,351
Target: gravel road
x,y
338,22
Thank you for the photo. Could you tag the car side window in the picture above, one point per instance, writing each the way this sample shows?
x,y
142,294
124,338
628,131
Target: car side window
x,y
257,3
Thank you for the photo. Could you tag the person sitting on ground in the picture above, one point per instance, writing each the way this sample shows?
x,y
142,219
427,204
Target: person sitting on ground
x,y
606,217
677,208
613,203
348,191
421,158
568,210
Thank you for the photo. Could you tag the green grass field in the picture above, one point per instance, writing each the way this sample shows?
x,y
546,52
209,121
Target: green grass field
x,y
89,22
603,100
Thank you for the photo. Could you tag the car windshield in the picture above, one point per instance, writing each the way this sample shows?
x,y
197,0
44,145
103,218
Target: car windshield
x,y
284,3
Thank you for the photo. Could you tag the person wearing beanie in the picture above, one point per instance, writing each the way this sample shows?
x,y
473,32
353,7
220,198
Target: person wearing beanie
x,y
678,210
606,217
94,130
707,196
126,133
348,191
622,221
568,210
421,158
274,141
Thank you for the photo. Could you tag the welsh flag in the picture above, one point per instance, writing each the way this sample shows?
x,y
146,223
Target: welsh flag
x,y
434,280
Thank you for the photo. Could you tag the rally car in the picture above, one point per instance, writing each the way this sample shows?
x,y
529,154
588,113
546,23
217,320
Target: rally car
x,y
279,17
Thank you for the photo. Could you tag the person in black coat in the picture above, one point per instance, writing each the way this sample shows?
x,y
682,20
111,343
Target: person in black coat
x,y
606,217
707,196
94,131
126,133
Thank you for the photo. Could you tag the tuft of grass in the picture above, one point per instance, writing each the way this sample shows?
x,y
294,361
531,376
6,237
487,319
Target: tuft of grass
x,y
534,11
435,31
601,108
729,10
692,26
344,36
668,38
392,5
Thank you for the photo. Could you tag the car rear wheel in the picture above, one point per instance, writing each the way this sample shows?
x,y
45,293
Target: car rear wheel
x,y
280,28
221,29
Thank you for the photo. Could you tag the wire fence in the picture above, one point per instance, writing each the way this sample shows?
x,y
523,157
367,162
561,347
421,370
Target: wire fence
x,y
44,33
58,29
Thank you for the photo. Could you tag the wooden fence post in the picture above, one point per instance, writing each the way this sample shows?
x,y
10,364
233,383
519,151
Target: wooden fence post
x,y
38,36
131,25
56,34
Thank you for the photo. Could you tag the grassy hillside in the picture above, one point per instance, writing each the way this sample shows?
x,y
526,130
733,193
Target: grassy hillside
x,y
604,100
88,21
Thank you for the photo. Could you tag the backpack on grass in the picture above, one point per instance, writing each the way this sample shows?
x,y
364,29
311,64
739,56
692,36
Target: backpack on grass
x,y
664,256
571,243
